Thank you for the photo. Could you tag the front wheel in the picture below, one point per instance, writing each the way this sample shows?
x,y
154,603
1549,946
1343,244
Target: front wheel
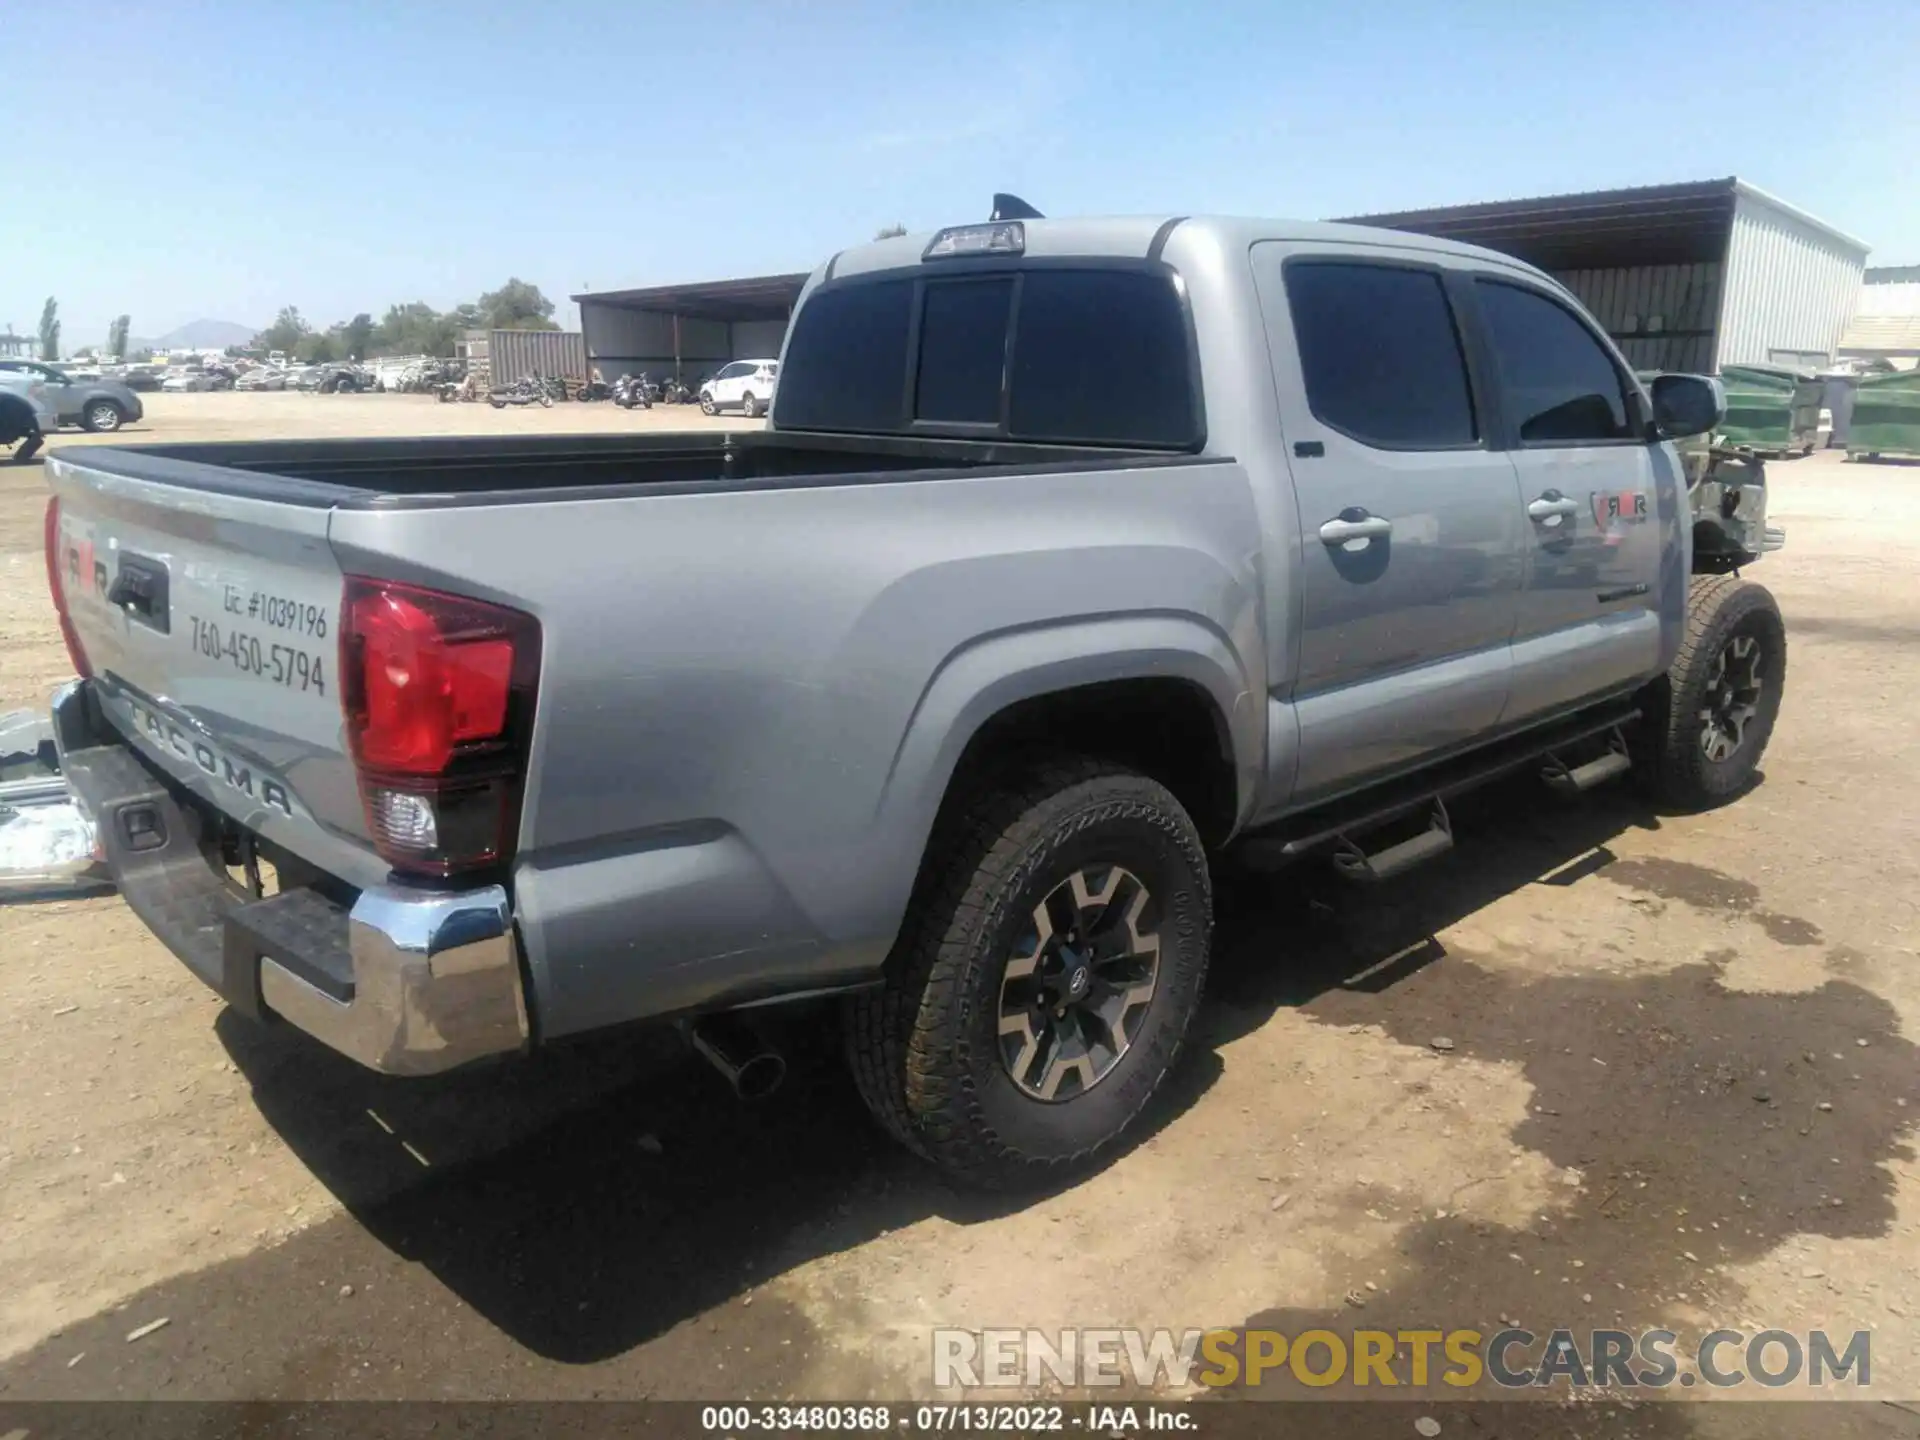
x,y
1705,724
1048,970
546,402
707,407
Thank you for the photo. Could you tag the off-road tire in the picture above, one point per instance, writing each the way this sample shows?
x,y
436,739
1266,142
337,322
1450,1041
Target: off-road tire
x,y
1670,763
923,1047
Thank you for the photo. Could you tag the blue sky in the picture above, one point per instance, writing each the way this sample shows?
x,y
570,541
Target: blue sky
x,y
223,159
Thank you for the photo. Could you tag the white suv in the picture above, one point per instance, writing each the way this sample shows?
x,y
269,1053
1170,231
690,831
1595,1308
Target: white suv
x,y
747,384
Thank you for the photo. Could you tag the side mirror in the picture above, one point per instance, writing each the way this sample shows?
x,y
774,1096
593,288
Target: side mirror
x,y
1687,405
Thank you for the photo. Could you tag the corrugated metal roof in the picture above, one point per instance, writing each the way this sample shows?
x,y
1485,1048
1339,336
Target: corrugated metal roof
x,y
1596,229
1882,335
1599,229
756,297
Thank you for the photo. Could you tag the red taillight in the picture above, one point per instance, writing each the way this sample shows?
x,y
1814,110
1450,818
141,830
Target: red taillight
x,y
438,694
56,586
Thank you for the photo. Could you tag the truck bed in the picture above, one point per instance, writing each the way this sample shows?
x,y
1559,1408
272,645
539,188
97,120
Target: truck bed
x,y
425,471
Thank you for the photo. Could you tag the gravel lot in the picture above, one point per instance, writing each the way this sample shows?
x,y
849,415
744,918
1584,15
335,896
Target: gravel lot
x,y
1678,1091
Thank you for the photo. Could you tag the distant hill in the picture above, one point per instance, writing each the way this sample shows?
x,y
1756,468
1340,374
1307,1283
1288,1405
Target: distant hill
x,y
199,335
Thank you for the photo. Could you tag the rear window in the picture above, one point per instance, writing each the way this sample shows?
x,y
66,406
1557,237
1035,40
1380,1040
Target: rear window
x,y
1066,356
1101,356
847,360
963,351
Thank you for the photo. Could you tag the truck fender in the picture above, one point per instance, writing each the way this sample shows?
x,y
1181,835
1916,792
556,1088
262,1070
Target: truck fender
x,y
986,676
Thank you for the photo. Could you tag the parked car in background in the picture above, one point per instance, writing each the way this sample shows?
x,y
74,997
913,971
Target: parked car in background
x,y
93,404
181,381
140,377
745,385
26,414
262,379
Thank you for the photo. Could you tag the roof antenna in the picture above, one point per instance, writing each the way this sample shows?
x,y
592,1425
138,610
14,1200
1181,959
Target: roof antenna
x,y
1012,207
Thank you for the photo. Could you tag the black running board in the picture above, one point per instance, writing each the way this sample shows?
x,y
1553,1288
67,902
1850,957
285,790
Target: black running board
x,y
1335,823
1567,779
1350,861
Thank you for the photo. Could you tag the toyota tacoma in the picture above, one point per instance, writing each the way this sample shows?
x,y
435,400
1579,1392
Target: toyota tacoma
x,y
1075,554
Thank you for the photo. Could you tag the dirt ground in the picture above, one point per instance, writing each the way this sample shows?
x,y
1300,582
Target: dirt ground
x,y
1676,1087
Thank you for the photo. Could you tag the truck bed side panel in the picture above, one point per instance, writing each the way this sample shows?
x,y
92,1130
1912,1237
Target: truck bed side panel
x,y
722,784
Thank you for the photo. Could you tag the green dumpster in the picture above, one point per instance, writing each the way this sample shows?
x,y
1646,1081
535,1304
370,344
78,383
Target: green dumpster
x,y
1772,410
1886,416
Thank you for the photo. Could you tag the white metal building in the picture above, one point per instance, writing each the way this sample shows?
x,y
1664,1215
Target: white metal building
x,y
1684,277
1886,322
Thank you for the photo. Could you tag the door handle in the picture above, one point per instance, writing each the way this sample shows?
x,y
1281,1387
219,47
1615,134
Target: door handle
x,y
1355,524
1553,507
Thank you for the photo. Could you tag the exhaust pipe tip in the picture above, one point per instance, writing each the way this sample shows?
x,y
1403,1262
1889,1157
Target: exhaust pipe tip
x,y
752,1067
760,1076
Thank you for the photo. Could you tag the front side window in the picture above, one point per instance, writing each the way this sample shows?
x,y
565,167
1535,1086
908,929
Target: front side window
x,y
1560,385
1380,355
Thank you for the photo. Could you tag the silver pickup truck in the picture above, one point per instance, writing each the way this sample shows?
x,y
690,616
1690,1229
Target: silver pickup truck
x,y
1075,552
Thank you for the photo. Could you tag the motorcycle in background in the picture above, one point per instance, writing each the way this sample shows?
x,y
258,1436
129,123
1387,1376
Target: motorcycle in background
x,y
632,391
527,390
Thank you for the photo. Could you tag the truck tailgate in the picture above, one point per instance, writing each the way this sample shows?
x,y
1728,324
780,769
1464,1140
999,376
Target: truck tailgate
x,y
210,622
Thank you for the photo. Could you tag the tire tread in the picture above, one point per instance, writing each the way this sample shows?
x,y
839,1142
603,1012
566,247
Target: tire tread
x,y
1667,755
900,1035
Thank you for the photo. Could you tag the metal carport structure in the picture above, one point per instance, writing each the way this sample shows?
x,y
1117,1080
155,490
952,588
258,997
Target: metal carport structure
x,y
687,330
1684,277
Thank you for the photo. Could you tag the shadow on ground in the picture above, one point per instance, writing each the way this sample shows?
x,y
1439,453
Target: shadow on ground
x,y
632,1220
1705,1125
651,1196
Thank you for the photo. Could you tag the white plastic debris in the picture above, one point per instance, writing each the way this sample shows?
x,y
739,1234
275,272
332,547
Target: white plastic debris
x,y
47,847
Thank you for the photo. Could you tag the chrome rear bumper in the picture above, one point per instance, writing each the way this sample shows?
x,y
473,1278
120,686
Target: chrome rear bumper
x,y
405,981
436,983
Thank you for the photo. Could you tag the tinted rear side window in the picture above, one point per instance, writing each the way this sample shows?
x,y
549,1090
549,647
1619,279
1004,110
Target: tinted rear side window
x,y
1560,385
846,363
1380,354
1101,356
963,351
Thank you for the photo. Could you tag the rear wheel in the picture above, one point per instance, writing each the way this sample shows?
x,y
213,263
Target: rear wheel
x,y
103,416
1706,722
1045,979
749,406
